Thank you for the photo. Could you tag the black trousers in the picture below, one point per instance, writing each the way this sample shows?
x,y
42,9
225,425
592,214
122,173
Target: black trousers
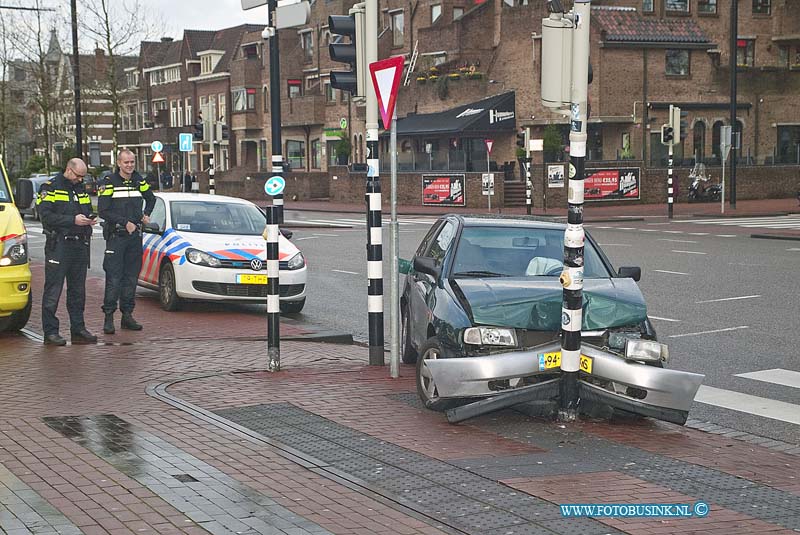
x,y
64,259
122,262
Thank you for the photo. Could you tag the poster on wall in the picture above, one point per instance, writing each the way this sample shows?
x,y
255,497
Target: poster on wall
x,y
612,184
555,176
443,190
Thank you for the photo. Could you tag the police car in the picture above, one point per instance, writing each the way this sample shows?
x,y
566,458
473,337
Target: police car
x,y
210,247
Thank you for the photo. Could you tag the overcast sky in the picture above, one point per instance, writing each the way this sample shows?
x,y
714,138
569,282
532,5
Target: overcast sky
x,y
179,15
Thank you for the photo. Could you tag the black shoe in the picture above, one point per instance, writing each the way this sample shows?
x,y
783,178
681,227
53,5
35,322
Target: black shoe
x,y
108,324
54,340
129,323
83,337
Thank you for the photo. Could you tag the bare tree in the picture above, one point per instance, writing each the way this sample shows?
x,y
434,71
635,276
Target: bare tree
x,y
31,36
118,27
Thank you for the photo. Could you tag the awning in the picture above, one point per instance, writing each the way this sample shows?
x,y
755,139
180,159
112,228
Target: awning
x,y
493,114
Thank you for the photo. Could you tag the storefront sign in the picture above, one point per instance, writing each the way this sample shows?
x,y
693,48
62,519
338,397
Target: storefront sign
x,y
612,184
555,176
443,190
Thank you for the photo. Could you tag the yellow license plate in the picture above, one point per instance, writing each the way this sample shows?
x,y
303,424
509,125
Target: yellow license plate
x,y
246,278
548,361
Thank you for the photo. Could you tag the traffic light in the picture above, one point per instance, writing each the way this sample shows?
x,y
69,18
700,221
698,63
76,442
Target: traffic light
x,y
521,135
667,134
352,53
225,133
679,131
683,125
198,129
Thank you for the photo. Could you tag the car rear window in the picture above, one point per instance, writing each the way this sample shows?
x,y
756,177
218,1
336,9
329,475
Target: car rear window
x,y
519,252
217,218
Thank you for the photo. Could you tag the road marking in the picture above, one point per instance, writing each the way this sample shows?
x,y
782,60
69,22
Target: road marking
x,y
708,332
616,244
663,319
649,230
667,223
676,241
727,299
688,252
600,227
306,238
725,235
748,265
793,249
670,272
777,376
343,271
330,235
768,408
625,228
699,233
673,232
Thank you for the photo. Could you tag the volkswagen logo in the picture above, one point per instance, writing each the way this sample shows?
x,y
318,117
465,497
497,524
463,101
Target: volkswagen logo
x,y
256,264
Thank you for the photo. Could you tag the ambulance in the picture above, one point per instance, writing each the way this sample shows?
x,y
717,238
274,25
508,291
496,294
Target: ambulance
x,y
15,273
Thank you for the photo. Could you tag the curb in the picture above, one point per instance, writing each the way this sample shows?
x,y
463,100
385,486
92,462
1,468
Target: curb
x,y
329,337
775,237
733,216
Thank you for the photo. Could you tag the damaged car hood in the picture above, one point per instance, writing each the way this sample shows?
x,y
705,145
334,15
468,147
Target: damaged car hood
x,y
535,304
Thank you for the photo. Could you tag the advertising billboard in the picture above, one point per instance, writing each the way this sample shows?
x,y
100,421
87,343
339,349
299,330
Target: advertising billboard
x,y
443,190
612,184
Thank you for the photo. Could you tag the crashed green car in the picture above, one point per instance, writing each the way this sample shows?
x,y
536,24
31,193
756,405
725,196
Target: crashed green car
x,y
480,285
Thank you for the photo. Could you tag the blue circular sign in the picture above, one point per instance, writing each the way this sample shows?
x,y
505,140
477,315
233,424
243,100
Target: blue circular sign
x,y
156,146
274,185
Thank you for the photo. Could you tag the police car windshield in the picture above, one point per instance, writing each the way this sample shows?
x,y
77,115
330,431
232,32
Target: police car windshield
x,y
217,218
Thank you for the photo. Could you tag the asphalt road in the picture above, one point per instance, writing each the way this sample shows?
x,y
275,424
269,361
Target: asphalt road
x,y
725,303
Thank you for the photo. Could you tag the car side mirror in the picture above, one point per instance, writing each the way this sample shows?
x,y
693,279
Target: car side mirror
x,y
151,228
287,233
24,196
631,272
403,266
427,265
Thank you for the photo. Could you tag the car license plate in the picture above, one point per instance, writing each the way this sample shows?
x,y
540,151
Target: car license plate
x,y
246,278
549,361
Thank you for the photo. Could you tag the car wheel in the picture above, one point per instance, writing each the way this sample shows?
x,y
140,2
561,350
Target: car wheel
x,y
426,388
407,352
167,292
35,213
292,307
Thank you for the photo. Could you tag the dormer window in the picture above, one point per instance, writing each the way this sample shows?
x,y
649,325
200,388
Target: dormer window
x,y
209,60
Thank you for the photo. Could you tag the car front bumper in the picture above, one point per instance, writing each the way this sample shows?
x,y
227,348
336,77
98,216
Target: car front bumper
x,y
219,284
658,389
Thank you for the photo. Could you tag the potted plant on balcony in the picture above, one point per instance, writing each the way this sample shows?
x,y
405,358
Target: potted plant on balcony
x,y
343,149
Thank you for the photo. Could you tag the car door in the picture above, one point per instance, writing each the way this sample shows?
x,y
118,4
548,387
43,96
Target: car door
x,y
421,286
152,250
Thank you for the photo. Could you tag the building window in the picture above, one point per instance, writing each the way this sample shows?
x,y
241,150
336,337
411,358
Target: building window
x,y
708,7
330,92
745,52
222,107
296,154
677,63
647,6
189,118
133,79
307,44
436,12
681,6
94,153
173,113
398,25
251,99
250,51
788,144
145,114
265,99
699,141
316,154
762,7
212,108
458,12
243,99
295,87
180,113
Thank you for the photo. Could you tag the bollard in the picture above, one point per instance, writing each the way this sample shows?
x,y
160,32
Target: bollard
x,y
273,291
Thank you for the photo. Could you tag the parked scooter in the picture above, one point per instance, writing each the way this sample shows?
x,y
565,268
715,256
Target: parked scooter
x,y
701,190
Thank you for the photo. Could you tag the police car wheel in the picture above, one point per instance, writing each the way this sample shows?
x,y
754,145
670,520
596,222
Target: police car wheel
x,y
167,293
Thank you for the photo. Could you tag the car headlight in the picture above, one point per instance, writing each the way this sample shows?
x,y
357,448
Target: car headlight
x,y
15,251
296,262
202,258
646,351
490,336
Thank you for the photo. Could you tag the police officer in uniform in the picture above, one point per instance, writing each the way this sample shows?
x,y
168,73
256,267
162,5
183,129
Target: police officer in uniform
x,y
65,209
119,203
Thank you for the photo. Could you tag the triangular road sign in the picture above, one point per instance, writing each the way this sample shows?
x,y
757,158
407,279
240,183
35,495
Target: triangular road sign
x,y
386,75
489,144
158,158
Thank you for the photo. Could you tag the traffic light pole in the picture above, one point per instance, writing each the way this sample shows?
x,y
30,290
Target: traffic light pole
x,y
572,275
528,181
275,107
670,197
373,199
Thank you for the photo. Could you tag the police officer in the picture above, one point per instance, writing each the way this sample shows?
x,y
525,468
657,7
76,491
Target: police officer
x,y
119,203
65,209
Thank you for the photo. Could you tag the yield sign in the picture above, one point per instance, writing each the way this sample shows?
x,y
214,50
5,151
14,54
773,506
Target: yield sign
x,y
489,144
158,158
386,79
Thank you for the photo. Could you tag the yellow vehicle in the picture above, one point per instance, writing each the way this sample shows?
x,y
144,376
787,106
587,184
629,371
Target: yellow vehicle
x,y
15,273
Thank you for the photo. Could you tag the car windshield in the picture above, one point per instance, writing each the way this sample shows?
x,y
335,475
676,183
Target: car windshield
x,y
5,195
518,252
217,218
